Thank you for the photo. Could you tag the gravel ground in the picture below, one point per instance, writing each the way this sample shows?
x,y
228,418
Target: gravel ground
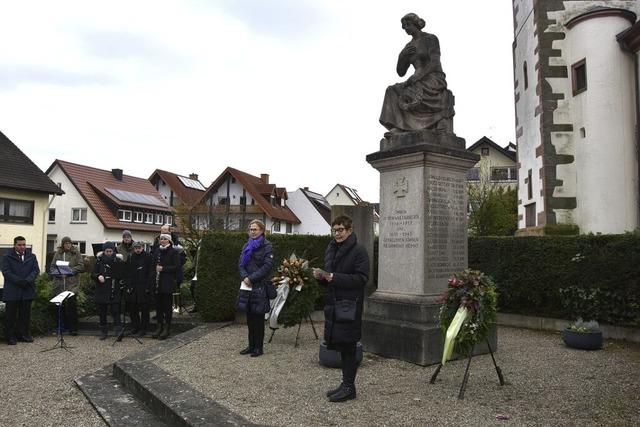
x,y
37,389
548,384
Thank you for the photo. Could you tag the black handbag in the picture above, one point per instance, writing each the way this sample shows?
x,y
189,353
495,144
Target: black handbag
x,y
345,310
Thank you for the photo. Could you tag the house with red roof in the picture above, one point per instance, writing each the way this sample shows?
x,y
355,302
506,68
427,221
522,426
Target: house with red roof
x,y
236,198
178,189
99,204
25,192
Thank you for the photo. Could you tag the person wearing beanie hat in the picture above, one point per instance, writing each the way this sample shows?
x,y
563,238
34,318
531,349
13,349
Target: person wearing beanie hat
x,y
125,248
167,263
67,253
139,288
107,287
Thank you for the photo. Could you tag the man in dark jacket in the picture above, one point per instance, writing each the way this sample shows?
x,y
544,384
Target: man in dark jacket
x,y
107,275
347,271
167,263
125,248
20,269
139,288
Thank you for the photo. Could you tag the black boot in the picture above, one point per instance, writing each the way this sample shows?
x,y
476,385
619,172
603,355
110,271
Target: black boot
x,y
165,332
157,332
103,333
334,390
257,352
347,392
247,350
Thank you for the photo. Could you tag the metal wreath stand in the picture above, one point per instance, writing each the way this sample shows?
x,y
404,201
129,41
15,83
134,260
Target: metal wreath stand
x,y
465,379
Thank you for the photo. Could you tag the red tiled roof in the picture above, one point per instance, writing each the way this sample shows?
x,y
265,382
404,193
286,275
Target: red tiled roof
x,y
189,196
18,172
93,185
257,188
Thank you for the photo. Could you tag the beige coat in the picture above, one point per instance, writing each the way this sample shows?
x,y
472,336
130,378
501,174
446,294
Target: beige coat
x,y
76,263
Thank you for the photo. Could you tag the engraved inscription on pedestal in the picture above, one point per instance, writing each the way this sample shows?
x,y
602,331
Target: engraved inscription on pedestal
x,y
401,265
445,222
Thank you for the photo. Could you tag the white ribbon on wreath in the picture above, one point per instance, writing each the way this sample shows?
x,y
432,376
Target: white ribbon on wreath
x,y
278,303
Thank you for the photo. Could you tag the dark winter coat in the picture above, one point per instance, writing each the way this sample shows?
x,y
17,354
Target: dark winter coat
x,y
258,270
76,264
141,278
109,291
182,256
19,276
349,263
170,262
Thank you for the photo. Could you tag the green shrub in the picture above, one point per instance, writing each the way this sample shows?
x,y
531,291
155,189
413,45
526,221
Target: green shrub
x,y
218,276
564,276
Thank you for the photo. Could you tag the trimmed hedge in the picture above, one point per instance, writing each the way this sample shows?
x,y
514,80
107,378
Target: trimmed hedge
x,y
564,276
218,276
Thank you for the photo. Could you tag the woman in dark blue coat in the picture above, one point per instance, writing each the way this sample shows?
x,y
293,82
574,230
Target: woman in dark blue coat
x,y
107,274
256,262
347,271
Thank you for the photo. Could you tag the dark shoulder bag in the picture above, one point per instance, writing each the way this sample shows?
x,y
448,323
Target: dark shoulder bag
x,y
345,309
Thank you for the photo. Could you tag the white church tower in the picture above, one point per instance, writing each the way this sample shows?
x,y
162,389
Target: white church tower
x,y
576,98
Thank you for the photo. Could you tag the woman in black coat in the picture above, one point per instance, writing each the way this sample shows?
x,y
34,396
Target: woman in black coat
x,y
347,271
256,262
167,264
139,288
106,275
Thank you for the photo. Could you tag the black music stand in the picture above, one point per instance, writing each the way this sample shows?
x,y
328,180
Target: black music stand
x,y
59,300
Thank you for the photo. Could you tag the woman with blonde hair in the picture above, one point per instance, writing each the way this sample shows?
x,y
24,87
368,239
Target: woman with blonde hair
x,y
256,262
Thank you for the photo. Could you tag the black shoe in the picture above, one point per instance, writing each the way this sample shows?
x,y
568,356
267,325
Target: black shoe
x,y
12,341
142,333
334,391
26,338
134,331
157,332
73,333
246,350
347,392
257,352
103,334
165,332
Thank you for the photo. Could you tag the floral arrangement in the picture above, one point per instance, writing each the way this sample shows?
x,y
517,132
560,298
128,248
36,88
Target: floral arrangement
x,y
471,301
294,272
584,327
295,283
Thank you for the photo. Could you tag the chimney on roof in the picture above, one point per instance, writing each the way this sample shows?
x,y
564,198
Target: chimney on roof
x,y
193,176
117,173
306,188
264,177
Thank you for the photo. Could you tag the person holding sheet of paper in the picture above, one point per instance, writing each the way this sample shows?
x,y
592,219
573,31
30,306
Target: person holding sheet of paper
x,y
107,291
256,262
20,269
69,256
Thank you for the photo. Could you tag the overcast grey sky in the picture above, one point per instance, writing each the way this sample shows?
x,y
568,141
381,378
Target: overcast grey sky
x,y
292,88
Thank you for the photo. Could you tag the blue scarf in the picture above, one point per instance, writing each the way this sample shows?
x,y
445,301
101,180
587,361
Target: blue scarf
x,y
251,245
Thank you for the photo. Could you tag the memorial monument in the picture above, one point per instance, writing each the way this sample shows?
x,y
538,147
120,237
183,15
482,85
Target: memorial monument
x,y
423,206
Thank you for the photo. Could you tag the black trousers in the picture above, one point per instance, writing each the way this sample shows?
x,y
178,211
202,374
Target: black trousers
x,y
164,308
139,313
69,313
102,313
255,323
349,364
20,310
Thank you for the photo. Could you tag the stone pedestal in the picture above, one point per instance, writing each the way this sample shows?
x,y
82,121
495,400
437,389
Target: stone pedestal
x,y
423,240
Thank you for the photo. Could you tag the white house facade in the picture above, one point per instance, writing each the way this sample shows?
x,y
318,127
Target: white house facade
x,y
313,211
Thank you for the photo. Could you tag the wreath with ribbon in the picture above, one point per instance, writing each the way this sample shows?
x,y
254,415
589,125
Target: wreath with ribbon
x,y
468,312
297,292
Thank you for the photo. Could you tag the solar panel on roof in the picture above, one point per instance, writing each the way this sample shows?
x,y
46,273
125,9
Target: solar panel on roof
x,y
130,196
191,183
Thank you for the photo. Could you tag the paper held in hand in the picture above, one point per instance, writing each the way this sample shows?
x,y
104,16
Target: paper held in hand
x,y
61,297
244,287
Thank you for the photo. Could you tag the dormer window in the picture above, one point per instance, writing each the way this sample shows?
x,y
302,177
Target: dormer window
x,y
124,215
